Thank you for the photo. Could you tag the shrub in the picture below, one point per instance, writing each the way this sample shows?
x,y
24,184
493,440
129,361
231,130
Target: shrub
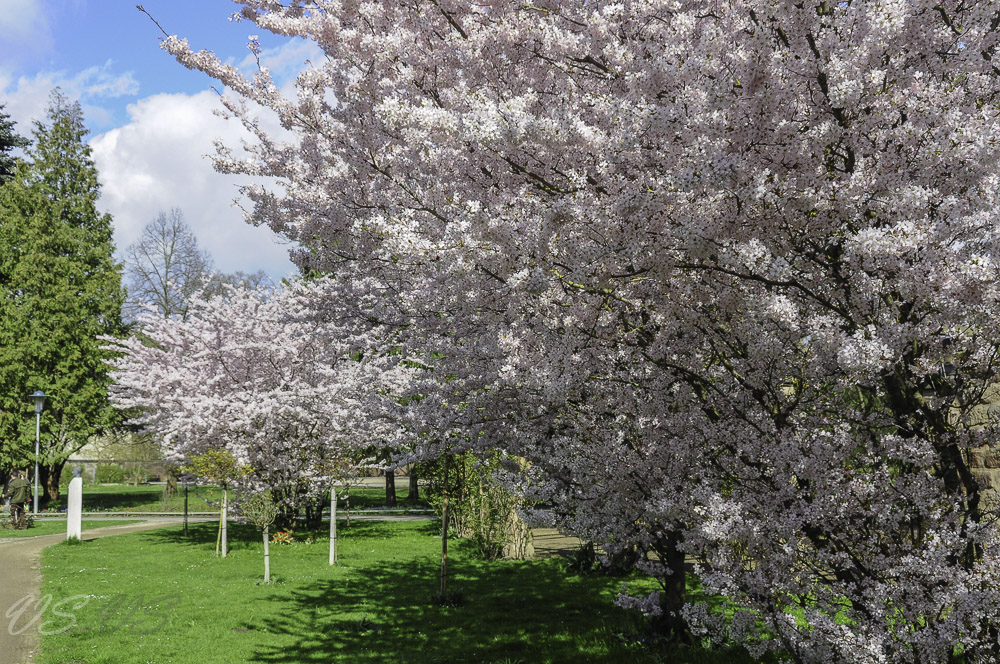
x,y
136,476
110,474
6,523
481,507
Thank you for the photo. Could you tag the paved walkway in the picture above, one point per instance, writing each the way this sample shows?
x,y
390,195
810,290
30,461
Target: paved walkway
x,y
550,542
21,572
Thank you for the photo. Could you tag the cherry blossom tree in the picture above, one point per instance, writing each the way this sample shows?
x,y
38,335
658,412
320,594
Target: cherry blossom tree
x,y
259,375
724,272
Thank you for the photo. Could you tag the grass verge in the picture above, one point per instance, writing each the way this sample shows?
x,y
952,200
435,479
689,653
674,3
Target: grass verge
x,y
159,597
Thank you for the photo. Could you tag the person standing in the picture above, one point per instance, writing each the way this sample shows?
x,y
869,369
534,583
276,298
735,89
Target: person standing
x,y
19,492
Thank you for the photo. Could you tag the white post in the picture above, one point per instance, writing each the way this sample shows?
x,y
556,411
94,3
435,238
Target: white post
x,y
333,525
267,558
74,526
225,519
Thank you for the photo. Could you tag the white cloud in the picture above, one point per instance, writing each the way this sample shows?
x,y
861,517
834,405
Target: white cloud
x,y
27,98
158,161
23,26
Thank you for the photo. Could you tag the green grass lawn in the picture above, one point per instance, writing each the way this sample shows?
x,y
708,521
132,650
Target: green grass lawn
x,y
159,597
142,498
149,498
53,526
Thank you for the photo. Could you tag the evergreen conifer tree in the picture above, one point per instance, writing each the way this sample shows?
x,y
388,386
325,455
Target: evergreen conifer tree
x,y
60,291
9,140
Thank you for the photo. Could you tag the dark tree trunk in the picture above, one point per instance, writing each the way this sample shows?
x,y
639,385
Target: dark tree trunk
x,y
49,482
390,488
671,623
285,519
314,512
414,495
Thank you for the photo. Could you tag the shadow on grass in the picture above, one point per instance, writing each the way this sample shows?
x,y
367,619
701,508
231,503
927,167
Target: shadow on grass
x,y
131,498
204,534
384,610
374,497
387,613
508,612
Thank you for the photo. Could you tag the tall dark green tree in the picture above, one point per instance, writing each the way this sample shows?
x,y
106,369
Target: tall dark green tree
x,y
60,291
9,141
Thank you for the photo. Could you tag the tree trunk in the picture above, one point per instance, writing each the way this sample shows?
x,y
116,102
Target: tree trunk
x,y
347,506
390,488
314,513
671,623
52,476
285,519
267,557
414,494
49,482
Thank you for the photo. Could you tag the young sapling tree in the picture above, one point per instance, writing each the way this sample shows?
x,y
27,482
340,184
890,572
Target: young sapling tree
x,y
222,468
261,510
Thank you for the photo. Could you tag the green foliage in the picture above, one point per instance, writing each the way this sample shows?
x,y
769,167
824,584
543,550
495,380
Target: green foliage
x,y
60,292
136,475
478,507
584,560
219,466
9,140
120,444
452,599
110,474
260,509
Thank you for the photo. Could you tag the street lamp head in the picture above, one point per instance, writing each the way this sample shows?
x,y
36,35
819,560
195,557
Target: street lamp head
x,y
39,398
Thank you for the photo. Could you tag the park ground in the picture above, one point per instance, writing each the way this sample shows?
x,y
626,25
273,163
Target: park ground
x,y
162,596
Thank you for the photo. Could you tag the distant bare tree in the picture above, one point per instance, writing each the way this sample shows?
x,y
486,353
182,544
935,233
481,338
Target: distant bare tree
x,y
166,267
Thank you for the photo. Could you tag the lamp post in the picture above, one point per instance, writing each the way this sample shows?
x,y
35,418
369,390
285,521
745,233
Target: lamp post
x,y
39,398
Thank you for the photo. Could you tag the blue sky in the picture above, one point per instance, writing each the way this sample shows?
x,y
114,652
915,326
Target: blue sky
x,y
151,119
